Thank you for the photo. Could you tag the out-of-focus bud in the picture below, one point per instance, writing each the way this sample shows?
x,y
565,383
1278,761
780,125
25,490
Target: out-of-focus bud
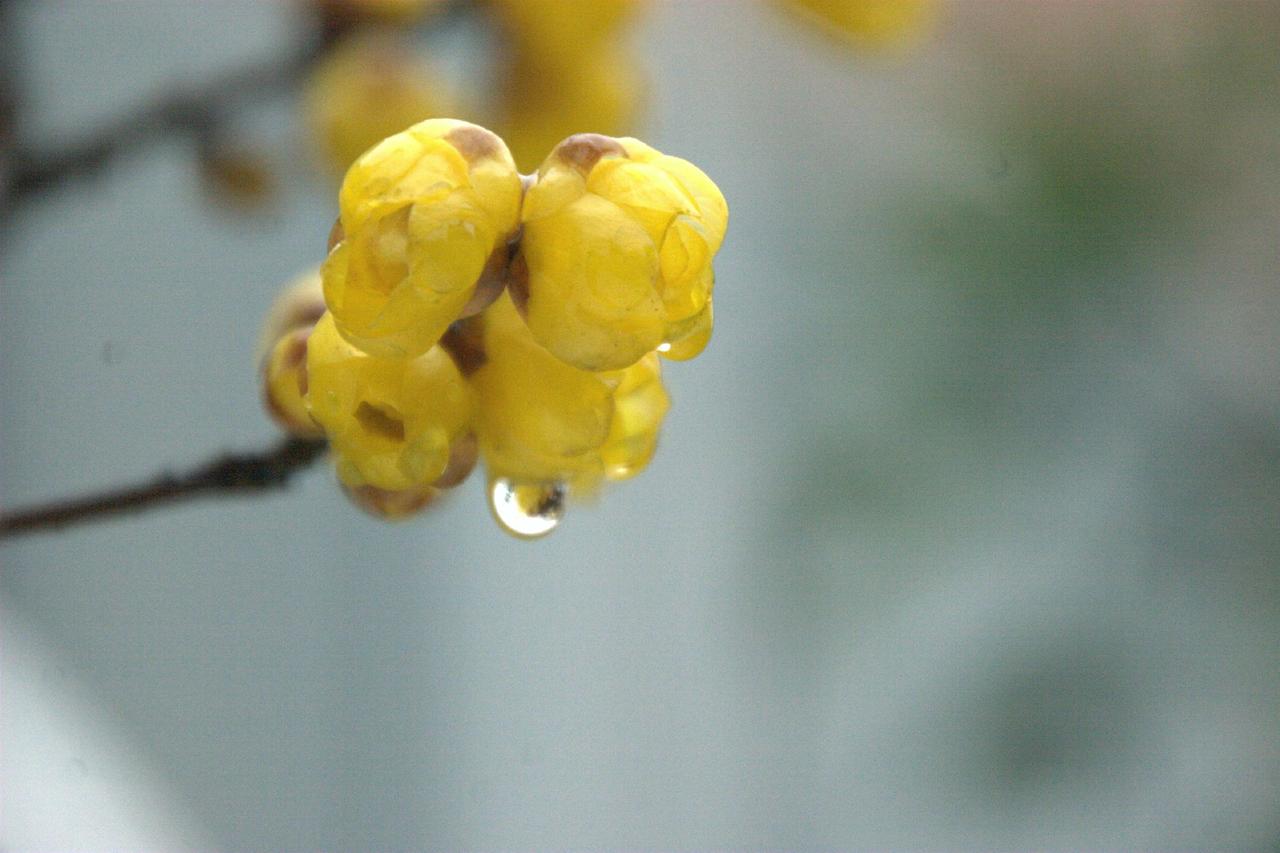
x,y
370,86
640,402
866,23
422,214
615,258
602,90
568,70
553,34
384,11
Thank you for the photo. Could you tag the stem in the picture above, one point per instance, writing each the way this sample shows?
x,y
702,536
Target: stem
x,y
230,474
8,97
195,112
198,112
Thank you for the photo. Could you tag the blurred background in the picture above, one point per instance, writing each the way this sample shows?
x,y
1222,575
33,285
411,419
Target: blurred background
x,y
964,532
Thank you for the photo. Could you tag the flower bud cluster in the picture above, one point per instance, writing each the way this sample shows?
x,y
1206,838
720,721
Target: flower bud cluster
x,y
468,312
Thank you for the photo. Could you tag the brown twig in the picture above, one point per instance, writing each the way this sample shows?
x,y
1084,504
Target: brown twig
x,y
8,96
195,112
231,474
199,112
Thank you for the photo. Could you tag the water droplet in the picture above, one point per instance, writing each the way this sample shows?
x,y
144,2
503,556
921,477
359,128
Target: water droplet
x,y
527,510
665,346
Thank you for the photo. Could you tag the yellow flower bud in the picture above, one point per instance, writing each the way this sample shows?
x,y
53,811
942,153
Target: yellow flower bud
x,y
639,405
542,420
367,88
553,34
538,418
392,422
392,505
868,23
299,305
405,503
543,104
237,176
282,353
388,11
421,213
284,385
568,71
617,248
691,338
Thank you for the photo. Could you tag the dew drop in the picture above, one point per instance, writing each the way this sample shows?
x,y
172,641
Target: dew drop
x,y
527,510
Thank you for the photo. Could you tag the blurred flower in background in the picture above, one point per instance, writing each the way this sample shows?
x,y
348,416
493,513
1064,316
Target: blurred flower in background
x,y
372,85
866,23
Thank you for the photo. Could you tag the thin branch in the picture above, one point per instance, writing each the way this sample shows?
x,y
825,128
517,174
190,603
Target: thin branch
x,y
8,95
231,474
198,112
195,112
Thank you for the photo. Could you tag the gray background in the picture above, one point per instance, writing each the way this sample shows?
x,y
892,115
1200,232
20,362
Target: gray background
x,y
964,532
